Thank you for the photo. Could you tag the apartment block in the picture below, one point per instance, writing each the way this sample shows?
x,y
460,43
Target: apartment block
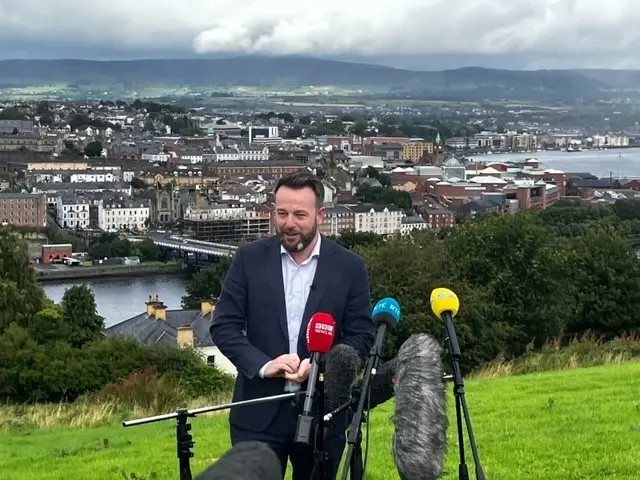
x,y
23,209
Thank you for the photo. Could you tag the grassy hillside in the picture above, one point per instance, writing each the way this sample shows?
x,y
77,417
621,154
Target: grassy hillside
x,y
289,72
575,424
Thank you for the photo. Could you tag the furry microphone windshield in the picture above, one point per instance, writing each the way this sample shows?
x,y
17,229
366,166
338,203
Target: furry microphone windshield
x,y
421,422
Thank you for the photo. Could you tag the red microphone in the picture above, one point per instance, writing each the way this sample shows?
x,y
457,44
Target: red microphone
x,y
321,332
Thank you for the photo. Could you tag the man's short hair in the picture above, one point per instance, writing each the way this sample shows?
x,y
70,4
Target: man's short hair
x,y
303,179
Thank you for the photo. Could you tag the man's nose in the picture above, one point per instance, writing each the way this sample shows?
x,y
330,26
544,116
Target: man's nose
x,y
290,221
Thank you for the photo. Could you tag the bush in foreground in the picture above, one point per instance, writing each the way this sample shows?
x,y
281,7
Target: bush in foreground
x,y
53,372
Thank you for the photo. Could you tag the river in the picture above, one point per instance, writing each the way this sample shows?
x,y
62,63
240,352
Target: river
x,y
119,299
619,163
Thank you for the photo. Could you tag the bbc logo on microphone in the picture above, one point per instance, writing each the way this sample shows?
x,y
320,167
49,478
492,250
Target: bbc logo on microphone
x,y
324,329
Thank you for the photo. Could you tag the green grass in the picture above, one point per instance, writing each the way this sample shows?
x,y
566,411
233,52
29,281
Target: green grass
x,y
581,424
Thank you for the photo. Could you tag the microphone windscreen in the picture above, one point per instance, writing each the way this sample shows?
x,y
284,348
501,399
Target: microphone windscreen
x,y
421,422
245,461
341,369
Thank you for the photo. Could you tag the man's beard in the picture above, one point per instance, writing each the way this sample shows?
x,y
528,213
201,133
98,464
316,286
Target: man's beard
x,y
304,242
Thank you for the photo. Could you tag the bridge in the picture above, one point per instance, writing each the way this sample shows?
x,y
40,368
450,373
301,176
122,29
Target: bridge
x,y
188,245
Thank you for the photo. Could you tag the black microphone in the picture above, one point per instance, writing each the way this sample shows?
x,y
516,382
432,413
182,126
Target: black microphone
x,y
245,461
341,370
421,422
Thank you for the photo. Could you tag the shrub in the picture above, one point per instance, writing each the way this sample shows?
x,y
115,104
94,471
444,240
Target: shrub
x,y
53,372
585,351
146,389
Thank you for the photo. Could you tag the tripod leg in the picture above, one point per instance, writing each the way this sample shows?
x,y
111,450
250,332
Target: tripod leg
x,y
185,444
472,440
356,467
463,471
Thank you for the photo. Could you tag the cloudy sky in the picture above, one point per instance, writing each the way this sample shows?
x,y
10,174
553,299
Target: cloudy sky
x,y
419,34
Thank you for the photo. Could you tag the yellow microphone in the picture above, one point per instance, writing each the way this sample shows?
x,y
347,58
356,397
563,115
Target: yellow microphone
x,y
444,303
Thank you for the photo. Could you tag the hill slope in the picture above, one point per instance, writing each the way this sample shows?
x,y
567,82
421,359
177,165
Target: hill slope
x,y
580,423
288,71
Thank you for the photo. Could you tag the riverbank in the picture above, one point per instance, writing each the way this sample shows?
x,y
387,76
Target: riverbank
x,y
100,271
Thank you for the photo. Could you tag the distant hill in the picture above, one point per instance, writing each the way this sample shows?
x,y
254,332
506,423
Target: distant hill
x,y
282,72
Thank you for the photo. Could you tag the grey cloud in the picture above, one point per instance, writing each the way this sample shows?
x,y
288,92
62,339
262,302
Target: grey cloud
x,y
522,33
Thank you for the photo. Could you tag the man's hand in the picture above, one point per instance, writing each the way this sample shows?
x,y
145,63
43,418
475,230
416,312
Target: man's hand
x,y
302,374
282,366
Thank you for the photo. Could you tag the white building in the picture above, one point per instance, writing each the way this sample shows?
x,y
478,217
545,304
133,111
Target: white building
x,y
226,154
94,177
610,141
253,153
412,223
379,219
244,194
72,212
122,213
214,212
155,156
263,132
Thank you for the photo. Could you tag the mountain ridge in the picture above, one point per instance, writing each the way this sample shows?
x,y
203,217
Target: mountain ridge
x,y
296,71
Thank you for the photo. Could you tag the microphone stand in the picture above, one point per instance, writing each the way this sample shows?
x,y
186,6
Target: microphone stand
x,y
354,437
184,439
320,453
356,464
461,404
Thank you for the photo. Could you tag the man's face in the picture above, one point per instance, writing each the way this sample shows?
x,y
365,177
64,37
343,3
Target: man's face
x,y
297,217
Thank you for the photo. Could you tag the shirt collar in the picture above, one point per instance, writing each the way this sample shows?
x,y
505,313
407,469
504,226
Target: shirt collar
x,y
314,253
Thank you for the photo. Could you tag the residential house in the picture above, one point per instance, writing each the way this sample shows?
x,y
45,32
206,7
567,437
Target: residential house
x,y
179,328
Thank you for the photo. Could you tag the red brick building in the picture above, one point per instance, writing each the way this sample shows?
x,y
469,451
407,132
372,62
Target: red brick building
x,y
23,209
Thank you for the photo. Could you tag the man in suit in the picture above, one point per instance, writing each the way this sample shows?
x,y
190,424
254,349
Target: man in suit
x,y
272,289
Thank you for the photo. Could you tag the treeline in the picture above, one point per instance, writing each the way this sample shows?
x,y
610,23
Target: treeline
x,y
57,352
111,245
522,279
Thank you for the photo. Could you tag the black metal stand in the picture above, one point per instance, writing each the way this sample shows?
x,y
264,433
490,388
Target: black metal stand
x,y
321,454
461,406
185,443
184,439
358,417
356,465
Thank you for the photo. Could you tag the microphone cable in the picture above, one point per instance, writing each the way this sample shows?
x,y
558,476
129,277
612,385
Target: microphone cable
x,y
366,455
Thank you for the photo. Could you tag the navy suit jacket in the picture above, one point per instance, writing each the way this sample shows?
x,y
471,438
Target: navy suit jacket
x,y
250,322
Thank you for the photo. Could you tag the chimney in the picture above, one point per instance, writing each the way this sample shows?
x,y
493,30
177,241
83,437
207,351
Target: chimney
x,y
156,308
161,311
207,307
185,336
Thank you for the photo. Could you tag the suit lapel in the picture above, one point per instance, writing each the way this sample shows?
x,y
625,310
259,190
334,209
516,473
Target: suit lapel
x,y
273,272
320,281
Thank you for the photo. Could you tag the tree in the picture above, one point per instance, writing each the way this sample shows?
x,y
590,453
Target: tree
x,y
21,296
294,132
147,250
206,284
80,314
521,263
607,290
49,325
93,149
138,183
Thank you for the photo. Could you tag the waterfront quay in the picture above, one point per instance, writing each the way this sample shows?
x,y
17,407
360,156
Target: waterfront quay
x,y
56,272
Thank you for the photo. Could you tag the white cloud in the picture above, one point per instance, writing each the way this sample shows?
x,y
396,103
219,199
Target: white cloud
x,y
539,28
